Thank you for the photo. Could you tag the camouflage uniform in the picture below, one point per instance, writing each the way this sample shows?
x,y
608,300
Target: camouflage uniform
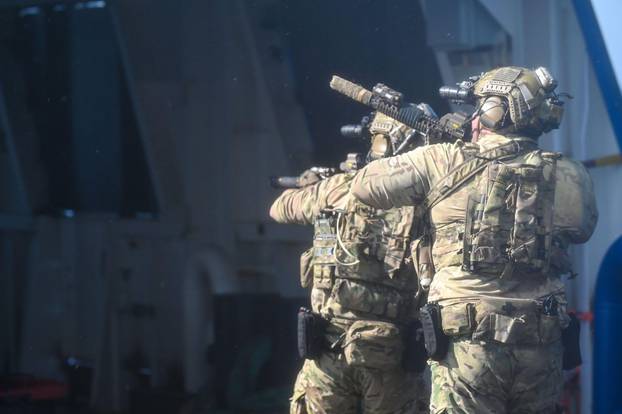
x,y
504,353
368,297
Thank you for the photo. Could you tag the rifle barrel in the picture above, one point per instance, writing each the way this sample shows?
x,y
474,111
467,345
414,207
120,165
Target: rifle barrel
x,y
284,182
351,90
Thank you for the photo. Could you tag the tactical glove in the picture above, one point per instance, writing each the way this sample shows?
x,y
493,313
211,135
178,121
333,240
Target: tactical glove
x,y
308,178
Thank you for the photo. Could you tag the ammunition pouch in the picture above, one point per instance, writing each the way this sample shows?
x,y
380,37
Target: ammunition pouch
x,y
324,249
373,344
506,322
311,334
415,356
571,343
360,264
436,341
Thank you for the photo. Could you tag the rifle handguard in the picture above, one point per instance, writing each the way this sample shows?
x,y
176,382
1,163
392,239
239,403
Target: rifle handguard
x,y
407,114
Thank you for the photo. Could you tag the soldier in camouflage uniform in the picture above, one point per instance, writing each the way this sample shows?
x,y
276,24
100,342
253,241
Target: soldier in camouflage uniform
x,y
502,215
363,283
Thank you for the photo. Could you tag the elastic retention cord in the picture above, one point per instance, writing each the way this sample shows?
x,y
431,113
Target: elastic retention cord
x,y
341,245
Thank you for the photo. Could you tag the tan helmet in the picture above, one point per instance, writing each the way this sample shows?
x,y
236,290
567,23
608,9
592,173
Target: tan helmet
x,y
390,137
520,100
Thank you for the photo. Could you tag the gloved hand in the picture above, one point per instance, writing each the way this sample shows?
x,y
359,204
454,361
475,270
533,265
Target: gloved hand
x,y
308,177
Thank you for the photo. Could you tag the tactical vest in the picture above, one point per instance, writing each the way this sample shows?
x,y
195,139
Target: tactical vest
x,y
508,226
361,263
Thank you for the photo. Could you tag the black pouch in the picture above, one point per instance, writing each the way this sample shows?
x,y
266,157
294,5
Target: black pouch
x,y
311,330
571,342
436,342
415,356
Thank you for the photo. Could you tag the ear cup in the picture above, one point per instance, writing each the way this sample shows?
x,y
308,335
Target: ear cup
x,y
493,113
380,147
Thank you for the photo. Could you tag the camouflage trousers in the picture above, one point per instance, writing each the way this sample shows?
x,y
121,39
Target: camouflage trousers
x,y
328,385
491,377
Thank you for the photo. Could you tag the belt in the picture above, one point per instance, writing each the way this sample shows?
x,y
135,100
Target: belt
x,y
502,321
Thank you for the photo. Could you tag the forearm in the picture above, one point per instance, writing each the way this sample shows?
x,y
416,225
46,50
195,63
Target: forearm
x,y
386,183
288,208
301,206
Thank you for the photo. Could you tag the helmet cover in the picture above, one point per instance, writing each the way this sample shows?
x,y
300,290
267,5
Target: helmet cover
x,y
527,100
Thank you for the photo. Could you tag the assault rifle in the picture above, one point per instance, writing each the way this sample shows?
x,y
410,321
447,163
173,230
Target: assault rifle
x,y
353,162
391,103
449,128
294,182
452,121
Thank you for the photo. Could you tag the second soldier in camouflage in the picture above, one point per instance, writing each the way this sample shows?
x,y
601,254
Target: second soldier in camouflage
x,y
363,285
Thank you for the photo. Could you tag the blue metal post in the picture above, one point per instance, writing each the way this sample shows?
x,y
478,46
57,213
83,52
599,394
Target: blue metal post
x,y
608,333
601,63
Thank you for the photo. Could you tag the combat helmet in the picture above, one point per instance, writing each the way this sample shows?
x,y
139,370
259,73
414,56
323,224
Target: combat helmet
x,y
512,99
520,100
390,137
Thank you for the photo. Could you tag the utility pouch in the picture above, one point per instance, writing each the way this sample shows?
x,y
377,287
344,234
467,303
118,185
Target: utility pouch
x,y
373,344
311,330
324,249
571,343
306,268
436,341
415,356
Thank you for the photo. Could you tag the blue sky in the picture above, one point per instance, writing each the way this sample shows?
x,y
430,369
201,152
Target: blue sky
x,y
608,13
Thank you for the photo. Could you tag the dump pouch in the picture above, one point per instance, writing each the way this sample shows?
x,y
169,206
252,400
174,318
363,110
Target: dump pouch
x,y
571,343
311,330
373,344
377,301
436,342
415,356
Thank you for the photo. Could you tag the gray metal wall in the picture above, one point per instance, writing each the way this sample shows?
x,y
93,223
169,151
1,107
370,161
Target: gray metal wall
x,y
99,287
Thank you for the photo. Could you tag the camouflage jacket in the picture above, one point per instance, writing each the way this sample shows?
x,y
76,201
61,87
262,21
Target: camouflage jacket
x,y
367,273
408,178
